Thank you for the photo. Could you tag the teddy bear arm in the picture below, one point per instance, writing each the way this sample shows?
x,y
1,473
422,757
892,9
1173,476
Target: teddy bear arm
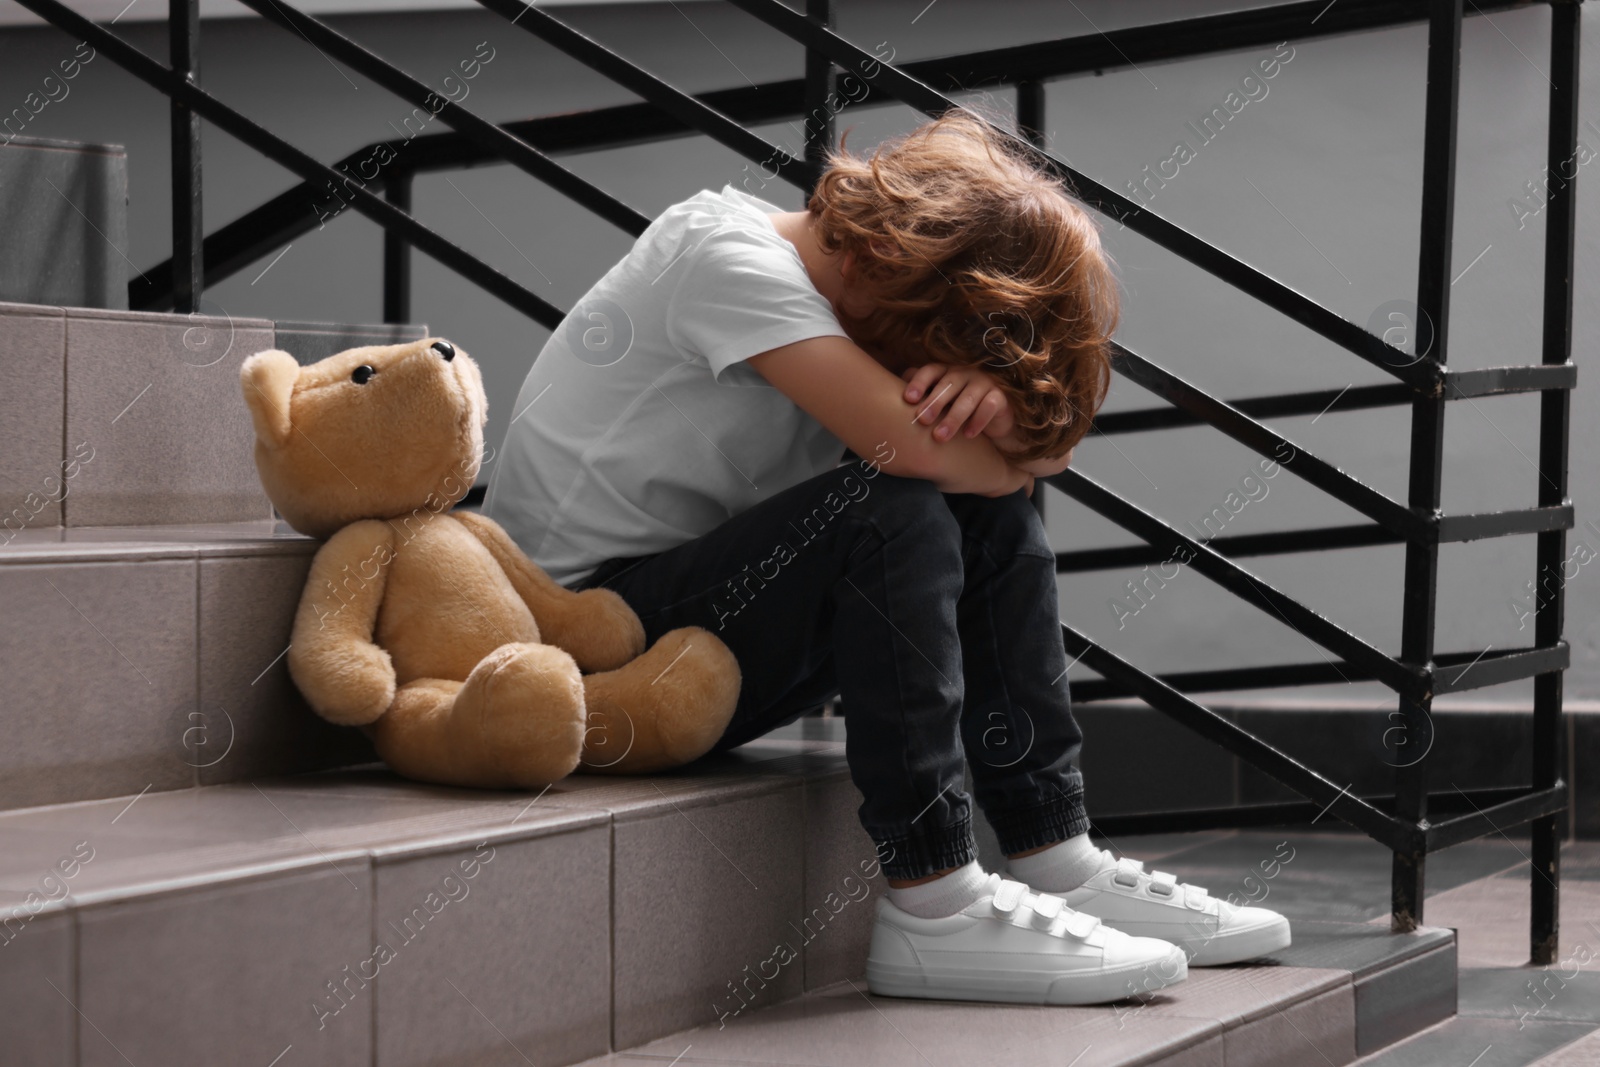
x,y
343,674
596,626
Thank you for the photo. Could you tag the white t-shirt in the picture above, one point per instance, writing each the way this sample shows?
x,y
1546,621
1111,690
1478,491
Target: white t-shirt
x,y
639,426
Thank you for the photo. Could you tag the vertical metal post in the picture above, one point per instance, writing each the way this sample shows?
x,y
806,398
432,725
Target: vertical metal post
x,y
1030,111
820,97
1554,414
188,222
1030,124
397,252
1427,441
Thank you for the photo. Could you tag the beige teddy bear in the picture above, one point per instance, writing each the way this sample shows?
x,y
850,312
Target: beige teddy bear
x,y
429,628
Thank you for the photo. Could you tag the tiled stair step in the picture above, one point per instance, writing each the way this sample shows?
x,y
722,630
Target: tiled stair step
x,y
227,924
1342,991
236,923
121,417
153,658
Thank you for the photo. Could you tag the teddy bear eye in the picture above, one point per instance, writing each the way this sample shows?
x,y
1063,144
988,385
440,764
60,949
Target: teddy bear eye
x,y
362,374
445,349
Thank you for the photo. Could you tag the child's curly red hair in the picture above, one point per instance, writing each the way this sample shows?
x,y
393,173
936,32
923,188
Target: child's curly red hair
x,y
972,255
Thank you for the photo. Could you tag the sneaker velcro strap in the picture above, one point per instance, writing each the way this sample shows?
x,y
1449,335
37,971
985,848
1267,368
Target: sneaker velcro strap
x,y
1081,924
1195,897
1008,896
1048,907
1128,873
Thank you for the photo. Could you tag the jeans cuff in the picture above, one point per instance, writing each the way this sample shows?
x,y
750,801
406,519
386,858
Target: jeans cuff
x,y
925,851
1056,819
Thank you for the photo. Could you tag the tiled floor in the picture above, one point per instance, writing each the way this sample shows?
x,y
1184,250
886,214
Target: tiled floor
x,y
1512,1014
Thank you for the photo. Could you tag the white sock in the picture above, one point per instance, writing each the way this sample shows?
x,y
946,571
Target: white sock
x,y
1063,866
944,896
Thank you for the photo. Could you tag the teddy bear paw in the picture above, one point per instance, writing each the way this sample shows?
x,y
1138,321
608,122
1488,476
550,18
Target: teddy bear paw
x,y
520,715
608,634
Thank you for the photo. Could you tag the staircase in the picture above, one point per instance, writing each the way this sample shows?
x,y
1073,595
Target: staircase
x,y
195,869
350,917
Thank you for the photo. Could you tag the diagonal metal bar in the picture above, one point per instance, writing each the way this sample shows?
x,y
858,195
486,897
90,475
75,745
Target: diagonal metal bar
x,y
1241,742
1453,672
1228,680
1278,405
1234,578
281,152
1247,431
1241,816
680,105
1423,375
1174,39
290,214
506,146
1277,543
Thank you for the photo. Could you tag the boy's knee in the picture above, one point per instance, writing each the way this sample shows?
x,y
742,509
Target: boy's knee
x,y
1009,523
908,509
907,503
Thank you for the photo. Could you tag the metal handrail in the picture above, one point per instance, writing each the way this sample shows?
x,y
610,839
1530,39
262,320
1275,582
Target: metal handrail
x,y
1401,677
689,110
288,215
241,242
1418,674
481,131
1257,436
286,155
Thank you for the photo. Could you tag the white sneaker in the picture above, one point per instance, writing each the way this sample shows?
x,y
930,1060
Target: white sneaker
x,y
1015,946
1156,904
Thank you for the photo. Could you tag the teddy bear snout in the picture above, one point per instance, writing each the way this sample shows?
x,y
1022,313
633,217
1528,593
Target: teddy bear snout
x,y
445,349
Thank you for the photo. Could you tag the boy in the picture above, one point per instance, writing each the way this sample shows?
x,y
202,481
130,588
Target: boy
x,y
942,309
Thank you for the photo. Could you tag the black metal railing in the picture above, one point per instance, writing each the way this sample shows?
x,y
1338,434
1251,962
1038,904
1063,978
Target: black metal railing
x,y
1412,822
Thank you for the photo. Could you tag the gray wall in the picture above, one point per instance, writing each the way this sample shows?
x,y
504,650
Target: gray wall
x,y
1316,183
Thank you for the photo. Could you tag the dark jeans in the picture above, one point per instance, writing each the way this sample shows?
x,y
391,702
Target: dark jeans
x,y
935,619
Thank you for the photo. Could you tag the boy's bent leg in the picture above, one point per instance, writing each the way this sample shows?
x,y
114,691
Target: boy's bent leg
x,y
862,569
1017,727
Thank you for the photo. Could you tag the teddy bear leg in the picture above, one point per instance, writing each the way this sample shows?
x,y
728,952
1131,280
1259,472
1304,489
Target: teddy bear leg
x,y
663,709
516,722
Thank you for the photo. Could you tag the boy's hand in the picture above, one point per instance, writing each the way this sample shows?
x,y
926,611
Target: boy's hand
x,y
968,400
959,399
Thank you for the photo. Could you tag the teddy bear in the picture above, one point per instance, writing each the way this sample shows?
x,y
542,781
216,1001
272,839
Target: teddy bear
x,y
428,627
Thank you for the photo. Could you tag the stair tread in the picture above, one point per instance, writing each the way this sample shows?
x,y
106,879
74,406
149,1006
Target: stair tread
x,y
1360,948
842,1024
65,544
159,841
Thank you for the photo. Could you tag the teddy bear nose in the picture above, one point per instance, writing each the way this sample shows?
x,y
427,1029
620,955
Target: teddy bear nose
x,y
445,349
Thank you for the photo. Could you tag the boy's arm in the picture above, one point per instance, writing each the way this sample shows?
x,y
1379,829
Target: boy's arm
x,y
850,393
968,401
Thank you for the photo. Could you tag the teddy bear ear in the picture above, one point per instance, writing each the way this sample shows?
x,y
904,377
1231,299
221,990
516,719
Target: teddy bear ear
x,y
268,380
